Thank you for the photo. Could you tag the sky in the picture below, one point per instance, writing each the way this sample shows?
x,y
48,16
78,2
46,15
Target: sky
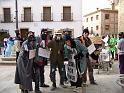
x,y
91,5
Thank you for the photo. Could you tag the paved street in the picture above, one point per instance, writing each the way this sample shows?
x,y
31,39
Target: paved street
x,y
107,83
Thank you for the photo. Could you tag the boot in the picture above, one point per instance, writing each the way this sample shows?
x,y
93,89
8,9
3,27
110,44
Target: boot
x,y
53,87
22,90
25,91
93,83
38,91
44,85
62,84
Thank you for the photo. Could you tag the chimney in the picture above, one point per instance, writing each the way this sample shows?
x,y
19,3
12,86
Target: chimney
x,y
113,6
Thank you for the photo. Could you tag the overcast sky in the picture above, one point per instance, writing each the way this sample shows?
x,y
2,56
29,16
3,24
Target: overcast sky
x,y
91,5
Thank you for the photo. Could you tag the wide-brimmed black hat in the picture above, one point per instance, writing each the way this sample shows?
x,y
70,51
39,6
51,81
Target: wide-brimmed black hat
x,y
85,31
68,37
31,38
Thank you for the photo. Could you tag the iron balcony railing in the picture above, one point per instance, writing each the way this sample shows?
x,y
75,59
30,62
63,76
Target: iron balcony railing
x,y
27,17
66,16
46,16
6,18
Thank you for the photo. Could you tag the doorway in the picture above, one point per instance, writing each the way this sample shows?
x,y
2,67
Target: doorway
x,y
24,33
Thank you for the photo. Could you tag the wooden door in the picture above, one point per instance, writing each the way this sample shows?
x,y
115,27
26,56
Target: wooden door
x,y
24,33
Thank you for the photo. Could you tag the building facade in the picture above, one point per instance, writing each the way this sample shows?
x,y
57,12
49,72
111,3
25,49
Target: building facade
x,y
121,16
34,15
102,21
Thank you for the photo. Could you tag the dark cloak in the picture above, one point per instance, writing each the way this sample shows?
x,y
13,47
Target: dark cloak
x,y
24,68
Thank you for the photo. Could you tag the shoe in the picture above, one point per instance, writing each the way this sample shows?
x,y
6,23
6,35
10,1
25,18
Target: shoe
x,y
53,88
93,83
77,90
63,86
44,85
72,87
25,91
66,82
84,84
22,91
110,68
38,91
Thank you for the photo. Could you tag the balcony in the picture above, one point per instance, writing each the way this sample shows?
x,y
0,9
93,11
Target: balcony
x,y
6,18
27,17
66,16
46,17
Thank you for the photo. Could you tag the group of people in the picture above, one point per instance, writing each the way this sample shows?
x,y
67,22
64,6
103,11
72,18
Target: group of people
x,y
64,50
29,69
8,44
66,53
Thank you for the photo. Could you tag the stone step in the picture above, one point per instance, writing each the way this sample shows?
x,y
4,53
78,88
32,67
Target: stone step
x,y
7,63
8,58
13,55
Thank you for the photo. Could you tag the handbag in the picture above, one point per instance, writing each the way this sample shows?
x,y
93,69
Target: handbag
x,y
40,63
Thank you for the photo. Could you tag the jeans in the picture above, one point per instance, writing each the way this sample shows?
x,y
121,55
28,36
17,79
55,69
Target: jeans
x,y
42,79
90,72
37,78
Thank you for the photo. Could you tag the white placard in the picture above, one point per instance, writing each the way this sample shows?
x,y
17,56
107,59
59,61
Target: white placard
x,y
44,53
71,70
91,48
105,55
32,53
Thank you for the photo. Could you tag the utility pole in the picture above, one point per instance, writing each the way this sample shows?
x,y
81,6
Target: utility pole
x,y
16,7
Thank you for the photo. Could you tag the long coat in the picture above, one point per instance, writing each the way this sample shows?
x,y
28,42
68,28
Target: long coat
x,y
24,67
57,51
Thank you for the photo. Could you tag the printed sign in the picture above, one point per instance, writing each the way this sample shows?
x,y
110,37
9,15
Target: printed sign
x,y
105,55
32,53
71,71
91,48
44,53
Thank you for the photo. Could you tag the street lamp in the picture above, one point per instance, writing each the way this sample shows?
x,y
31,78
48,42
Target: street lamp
x,y
16,7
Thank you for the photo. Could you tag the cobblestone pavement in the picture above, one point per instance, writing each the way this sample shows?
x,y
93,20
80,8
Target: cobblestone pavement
x,y
106,82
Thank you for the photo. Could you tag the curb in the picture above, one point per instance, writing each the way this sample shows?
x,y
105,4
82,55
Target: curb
x,y
8,63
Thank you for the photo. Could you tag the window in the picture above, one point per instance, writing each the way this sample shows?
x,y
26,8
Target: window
x,y
6,15
97,17
106,16
92,30
27,16
97,27
47,14
106,27
67,15
91,18
87,20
